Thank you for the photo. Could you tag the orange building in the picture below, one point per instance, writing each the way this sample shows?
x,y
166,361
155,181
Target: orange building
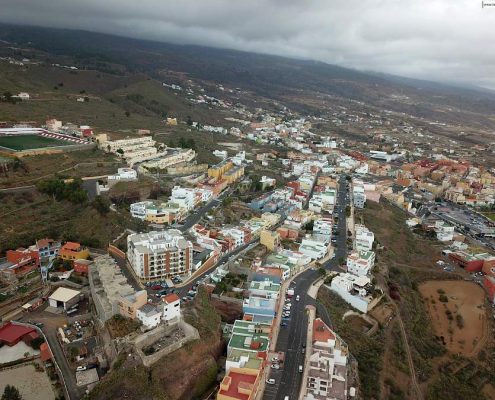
x,y
73,251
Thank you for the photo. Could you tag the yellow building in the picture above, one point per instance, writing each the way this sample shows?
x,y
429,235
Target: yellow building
x,y
73,251
233,174
218,170
240,383
171,121
269,239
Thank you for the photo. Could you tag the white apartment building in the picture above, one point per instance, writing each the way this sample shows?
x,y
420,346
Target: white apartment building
x,y
139,210
313,248
364,238
323,226
358,194
355,290
444,231
184,197
157,255
220,153
237,234
360,263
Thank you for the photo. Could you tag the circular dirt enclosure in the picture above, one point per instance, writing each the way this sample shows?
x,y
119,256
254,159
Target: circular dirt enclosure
x,y
458,314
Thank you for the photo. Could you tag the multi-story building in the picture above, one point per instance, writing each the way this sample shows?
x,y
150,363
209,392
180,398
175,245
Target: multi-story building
x,y
18,263
169,158
269,239
123,174
358,194
264,289
149,316
156,255
313,248
323,226
444,231
258,309
364,238
47,248
250,336
327,368
170,307
360,263
240,384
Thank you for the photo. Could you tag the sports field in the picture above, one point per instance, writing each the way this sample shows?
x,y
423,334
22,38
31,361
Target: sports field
x,y
27,142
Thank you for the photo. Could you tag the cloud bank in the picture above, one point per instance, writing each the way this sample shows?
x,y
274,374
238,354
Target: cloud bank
x,y
442,40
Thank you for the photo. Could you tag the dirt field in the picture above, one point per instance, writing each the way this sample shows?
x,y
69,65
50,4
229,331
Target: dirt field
x,y
458,314
32,385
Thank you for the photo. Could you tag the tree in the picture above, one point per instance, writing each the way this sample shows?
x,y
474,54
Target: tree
x,y
11,393
127,114
101,204
322,271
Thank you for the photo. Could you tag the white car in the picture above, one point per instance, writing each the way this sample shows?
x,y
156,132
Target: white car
x,y
275,366
300,368
270,381
273,359
81,368
297,298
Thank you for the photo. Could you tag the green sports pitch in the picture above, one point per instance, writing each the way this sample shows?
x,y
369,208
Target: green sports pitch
x,y
29,142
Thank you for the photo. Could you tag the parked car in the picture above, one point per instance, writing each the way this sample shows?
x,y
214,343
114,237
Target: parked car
x,y
270,381
274,359
156,287
81,368
297,298
300,369
275,366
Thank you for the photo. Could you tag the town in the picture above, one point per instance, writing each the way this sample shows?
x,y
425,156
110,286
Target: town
x,y
272,255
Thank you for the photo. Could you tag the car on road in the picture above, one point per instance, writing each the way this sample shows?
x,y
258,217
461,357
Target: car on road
x,y
275,366
270,381
81,368
300,369
297,298
283,324
273,359
156,287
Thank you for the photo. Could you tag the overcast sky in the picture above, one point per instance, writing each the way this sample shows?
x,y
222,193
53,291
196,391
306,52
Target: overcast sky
x,y
443,40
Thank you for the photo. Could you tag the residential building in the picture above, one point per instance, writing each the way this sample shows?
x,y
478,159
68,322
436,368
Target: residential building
x,y
19,263
130,304
269,239
240,384
250,336
123,174
313,248
259,309
323,226
444,231
47,248
243,359
264,289
71,251
171,307
364,238
355,290
360,263
149,316
157,255
326,373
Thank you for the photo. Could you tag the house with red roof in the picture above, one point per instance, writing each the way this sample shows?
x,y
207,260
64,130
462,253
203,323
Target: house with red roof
x,y
12,333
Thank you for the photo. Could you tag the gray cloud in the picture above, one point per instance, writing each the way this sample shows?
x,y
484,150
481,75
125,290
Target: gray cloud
x,y
441,40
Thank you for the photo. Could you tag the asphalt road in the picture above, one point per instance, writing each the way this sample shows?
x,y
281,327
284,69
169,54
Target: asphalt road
x,y
292,337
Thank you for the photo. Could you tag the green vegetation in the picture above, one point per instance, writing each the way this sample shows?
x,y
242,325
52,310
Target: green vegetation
x,y
367,350
26,142
71,191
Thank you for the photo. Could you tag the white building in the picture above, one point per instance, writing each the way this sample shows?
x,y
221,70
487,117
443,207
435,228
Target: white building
x,y
323,228
355,290
149,316
221,154
171,307
156,255
313,248
358,194
364,238
239,158
139,210
444,231
123,174
360,263
237,234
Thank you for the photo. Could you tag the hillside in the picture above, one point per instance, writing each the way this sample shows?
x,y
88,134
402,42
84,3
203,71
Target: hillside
x,y
270,76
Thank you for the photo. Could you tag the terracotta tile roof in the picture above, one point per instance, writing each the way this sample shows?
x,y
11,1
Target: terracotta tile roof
x,y
321,332
170,298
